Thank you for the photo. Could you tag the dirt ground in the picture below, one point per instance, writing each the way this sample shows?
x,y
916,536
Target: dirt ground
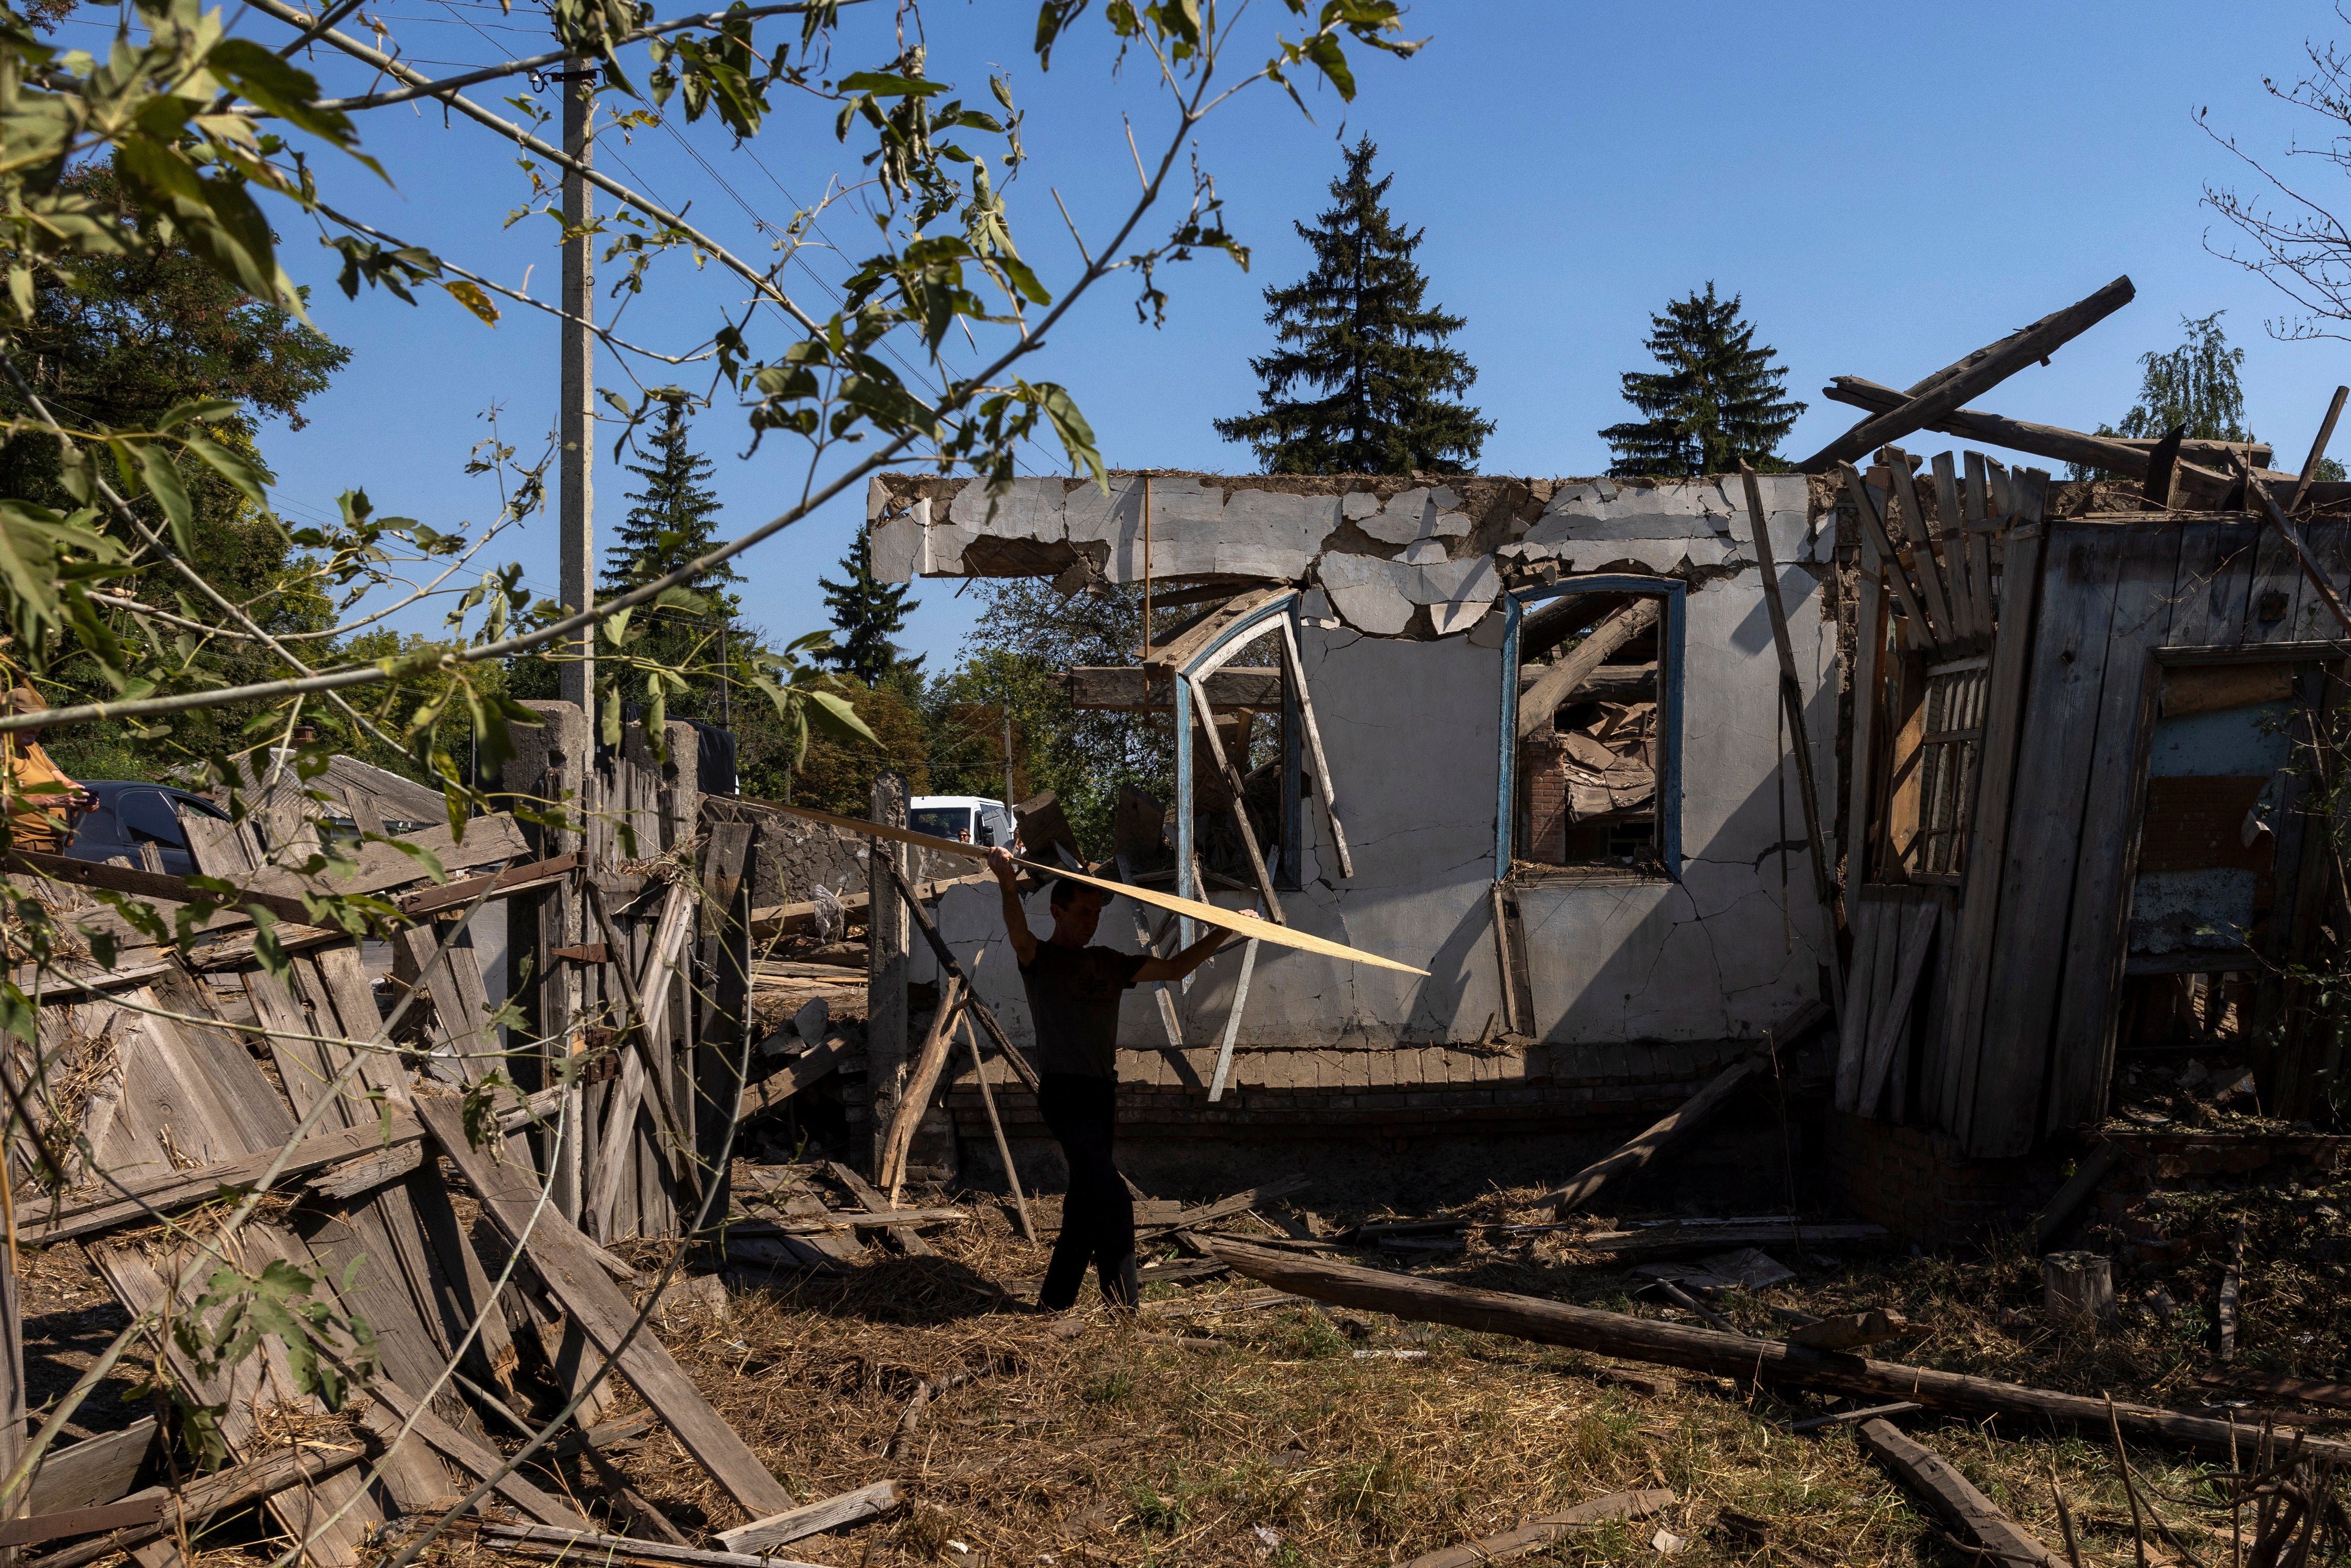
x,y
1293,1435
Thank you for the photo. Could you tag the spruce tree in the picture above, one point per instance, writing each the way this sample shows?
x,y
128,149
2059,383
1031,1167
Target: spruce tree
x,y
674,519
866,614
1356,337
1717,401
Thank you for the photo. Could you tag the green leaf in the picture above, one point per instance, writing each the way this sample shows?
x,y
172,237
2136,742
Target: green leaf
x,y
284,90
238,470
200,408
164,482
835,714
880,84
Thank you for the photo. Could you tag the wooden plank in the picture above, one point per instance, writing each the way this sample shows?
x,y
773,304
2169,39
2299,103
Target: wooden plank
x,y
1325,790
2318,447
1907,524
1875,540
921,1083
95,1470
475,1459
254,1384
560,1255
1998,1106
1235,788
1675,1128
527,877
2276,609
202,1184
2126,457
1133,688
590,1546
1544,1529
1871,945
1889,1028
1867,683
1952,1495
1979,371
378,866
1233,1022
150,885
2097,938
1505,971
614,1161
812,1518
1224,1207
1678,1241
1545,1321
2213,595
765,1095
1204,633
909,1240
1969,623
202,1497
1950,1060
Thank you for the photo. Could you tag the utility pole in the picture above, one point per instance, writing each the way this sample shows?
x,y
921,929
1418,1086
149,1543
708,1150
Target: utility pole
x,y
576,589
576,420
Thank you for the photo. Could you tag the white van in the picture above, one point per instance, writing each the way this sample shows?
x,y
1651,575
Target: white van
x,y
967,819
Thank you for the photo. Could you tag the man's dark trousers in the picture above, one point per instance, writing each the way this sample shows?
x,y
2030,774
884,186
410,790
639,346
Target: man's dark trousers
x,y
1098,1216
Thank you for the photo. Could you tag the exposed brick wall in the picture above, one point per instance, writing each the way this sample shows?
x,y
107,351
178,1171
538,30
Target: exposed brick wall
x,y
1916,1183
1542,787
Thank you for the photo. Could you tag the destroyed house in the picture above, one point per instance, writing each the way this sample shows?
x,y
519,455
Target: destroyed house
x,y
1526,734
2064,743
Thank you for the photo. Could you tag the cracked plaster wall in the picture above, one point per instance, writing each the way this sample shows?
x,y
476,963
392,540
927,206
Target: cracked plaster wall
x,y
1411,722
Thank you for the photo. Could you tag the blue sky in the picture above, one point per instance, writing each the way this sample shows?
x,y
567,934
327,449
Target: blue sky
x,y
1887,186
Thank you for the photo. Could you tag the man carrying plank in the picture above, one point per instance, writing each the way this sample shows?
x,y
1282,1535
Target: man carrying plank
x,y
1074,996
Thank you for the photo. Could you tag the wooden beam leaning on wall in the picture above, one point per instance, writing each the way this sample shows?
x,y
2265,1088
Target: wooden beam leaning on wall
x,y
1792,699
1539,705
1676,1127
1947,387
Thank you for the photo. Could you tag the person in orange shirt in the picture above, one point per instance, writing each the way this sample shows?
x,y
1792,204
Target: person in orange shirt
x,y
38,793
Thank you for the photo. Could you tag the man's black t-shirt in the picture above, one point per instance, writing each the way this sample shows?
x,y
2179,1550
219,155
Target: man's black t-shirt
x,y
1073,995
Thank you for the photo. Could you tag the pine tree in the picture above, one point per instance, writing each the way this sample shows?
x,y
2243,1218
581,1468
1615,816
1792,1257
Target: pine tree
x,y
674,519
1717,401
1354,331
867,614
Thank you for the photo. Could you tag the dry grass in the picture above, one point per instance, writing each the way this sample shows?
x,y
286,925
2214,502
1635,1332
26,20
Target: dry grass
x,y
1116,1446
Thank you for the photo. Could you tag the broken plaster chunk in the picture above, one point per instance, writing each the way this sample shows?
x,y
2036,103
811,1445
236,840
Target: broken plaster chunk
x,y
1421,552
1488,633
1455,581
1450,618
1029,509
1418,514
1369,593
1359,504
900,545
1314,606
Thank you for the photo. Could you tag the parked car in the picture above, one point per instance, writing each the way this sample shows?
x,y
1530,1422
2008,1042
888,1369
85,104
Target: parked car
x,y
971,819
129,814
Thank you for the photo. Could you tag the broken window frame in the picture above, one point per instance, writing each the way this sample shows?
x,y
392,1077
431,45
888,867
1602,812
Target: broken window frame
x,y
1671,633
1206,662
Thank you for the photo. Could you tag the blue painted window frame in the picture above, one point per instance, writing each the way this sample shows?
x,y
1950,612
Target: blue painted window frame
x,y
1670,662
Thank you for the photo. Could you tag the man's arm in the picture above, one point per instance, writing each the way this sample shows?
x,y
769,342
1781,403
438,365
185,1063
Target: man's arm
x,y
1016,919
1189,959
